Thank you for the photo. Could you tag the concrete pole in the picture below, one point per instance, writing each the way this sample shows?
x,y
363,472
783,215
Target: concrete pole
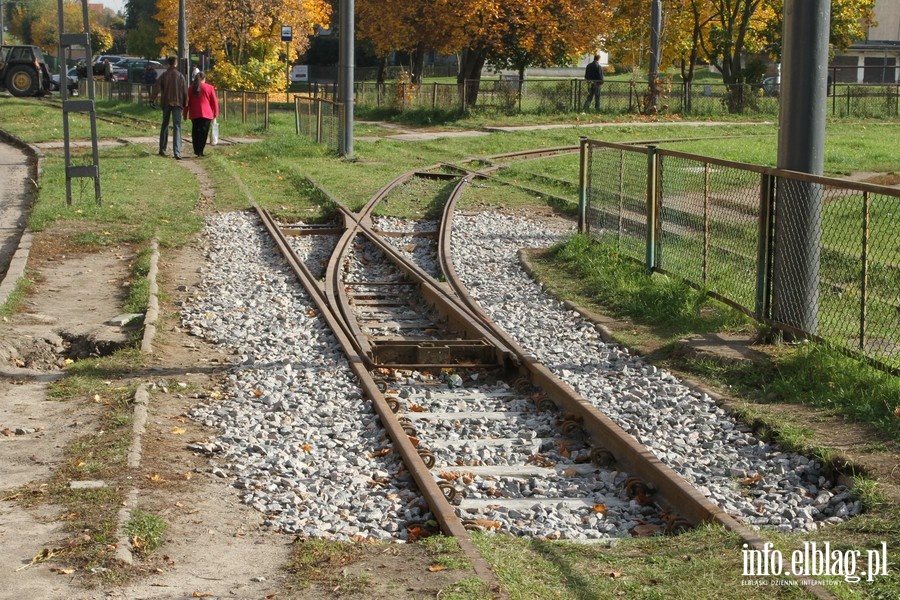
x,y
182,41
801,147
1,22
345,82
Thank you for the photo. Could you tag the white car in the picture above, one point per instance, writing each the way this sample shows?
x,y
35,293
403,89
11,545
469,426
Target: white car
x,y
71,80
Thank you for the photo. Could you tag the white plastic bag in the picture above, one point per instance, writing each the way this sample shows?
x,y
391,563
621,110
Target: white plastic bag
x,y
214,132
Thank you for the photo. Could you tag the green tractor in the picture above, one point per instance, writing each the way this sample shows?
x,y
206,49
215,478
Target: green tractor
x,y
23,71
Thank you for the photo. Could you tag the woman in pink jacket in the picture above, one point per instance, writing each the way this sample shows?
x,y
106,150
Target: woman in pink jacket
x,y
202,107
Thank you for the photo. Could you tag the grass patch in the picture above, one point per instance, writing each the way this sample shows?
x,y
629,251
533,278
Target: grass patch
x,y
134,181
320,562
622,286
446,552
16,297
146,532
697,565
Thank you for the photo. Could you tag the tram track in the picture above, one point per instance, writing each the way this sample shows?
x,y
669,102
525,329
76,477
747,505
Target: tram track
x,y
501,436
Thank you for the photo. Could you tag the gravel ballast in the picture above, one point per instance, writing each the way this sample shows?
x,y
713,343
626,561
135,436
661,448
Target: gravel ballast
x,y
303,446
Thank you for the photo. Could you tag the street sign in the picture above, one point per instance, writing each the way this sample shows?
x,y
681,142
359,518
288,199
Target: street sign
x,y
300,73
287,33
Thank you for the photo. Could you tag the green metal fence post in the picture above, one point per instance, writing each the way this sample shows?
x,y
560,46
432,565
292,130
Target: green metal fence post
x,y
297,114
864,275
652,204
583,183
319,122
764,247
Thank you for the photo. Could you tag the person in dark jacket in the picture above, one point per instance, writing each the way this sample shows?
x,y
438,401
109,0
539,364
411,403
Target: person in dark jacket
x,y
171,88
593,74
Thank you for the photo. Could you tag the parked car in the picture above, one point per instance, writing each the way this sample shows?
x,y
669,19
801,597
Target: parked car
x,y
71,81
97,64
23,70
136,66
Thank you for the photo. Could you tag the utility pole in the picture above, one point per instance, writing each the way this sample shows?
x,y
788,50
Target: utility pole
x,y
1,22
801,147
345,81
182,41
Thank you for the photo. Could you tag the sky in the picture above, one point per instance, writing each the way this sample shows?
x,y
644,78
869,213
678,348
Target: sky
x,y
115,5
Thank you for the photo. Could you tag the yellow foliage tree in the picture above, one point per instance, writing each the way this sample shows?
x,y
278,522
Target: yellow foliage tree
x,y
238,31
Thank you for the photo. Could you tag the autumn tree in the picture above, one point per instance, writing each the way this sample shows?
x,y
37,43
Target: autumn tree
x,y
412,26
37,22
143,29
546,33
244,36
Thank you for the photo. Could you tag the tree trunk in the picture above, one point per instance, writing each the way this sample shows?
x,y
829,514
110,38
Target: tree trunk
x,y
417,66
469,78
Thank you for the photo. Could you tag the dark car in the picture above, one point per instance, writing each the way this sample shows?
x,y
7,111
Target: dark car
x,y
23,70
136,66
97,64
71,80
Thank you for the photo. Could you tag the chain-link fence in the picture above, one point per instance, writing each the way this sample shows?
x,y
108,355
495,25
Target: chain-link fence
x,y
319,120
813,255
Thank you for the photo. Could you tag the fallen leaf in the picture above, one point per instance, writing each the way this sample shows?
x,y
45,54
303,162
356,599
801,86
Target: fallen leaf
x,y
614,574
897,412
201,595
306,447
178,430
414,441
188,475
417,408
600,508
645,530
434,568
486,523
65,571
382,452
569,472
751,480
155,477
257,393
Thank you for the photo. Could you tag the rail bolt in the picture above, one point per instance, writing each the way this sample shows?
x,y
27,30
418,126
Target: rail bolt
x,y
543,402
677,524
426,456
448,490
571,426
635,487
393,404
602,457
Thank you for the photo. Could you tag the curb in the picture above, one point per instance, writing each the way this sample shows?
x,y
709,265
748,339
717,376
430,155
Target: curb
x,y
20,257
141,404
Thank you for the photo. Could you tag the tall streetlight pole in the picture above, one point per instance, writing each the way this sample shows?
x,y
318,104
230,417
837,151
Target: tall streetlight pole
x,y
345,81
182,40
801,147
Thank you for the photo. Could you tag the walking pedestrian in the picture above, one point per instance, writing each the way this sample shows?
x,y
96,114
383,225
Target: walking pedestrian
x,y
593,74
171,89
203,108
107,70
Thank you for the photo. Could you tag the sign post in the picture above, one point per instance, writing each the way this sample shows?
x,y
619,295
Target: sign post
x,y
287,36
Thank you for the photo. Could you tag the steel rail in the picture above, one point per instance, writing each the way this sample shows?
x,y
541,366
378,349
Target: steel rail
x,y
670,491
440,507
